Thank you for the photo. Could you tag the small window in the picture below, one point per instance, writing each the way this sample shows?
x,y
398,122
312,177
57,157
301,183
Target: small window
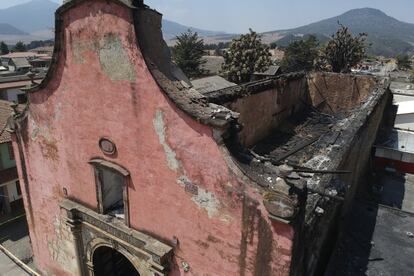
x,y
112,187
21,99
19,190
11,153
112,191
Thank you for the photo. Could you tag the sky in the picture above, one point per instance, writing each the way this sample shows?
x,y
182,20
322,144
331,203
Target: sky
x,y
237,16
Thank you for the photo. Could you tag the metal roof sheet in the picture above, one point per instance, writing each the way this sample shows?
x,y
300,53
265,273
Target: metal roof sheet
x,y
210,84
405,107
400,140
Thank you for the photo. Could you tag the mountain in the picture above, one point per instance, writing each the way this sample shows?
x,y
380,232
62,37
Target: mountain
x,y
37,18
286,40
34,16
7,29
387,35
171,29
372,21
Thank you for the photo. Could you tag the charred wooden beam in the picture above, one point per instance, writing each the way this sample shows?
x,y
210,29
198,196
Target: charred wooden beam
x,y
294,150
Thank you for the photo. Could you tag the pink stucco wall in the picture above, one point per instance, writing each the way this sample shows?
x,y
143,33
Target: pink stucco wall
x,y
95,93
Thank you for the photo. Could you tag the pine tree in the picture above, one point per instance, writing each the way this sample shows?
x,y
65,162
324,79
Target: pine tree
x,y
4,49
403,62
20,47
188,54
301,55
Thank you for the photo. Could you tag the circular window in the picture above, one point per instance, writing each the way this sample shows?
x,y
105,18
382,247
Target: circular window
x,y
107,146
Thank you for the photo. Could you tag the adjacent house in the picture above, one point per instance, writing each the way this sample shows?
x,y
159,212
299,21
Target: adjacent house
x,y
19,65
43,50
10,194
210,84
11,87
22,62
272,71
41,63
395,152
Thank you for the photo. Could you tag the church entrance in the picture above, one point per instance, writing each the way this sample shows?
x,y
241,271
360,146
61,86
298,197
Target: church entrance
x,y
109,262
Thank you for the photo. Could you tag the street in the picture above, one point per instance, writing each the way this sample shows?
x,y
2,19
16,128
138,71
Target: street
x,y
15,238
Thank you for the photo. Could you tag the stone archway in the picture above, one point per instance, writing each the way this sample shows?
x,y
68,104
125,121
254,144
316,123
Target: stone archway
x,y
110,262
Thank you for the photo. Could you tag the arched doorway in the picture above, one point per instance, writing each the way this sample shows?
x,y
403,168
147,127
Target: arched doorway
x,y
109,262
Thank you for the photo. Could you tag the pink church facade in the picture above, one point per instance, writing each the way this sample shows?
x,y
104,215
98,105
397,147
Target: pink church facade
x,y
105,116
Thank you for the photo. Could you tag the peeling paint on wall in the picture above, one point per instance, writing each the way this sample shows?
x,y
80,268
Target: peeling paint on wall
x,y
207,201
47,143
62,249
201,197
113,57
159,127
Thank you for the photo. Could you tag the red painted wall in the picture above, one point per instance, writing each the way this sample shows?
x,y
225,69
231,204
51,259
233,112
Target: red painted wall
x,y
399,166
94,94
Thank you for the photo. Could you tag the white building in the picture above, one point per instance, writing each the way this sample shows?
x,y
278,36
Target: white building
x,y
405,116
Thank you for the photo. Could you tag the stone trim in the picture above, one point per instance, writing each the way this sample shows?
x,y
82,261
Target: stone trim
x,y
155,254
110,165
99,162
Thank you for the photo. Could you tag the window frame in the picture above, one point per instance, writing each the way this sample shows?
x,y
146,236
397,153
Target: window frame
x,y
11,151
18,188
99,164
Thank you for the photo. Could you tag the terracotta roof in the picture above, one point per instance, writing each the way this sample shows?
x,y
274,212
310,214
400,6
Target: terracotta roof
x,y
15,84
43,49
22,55
5,112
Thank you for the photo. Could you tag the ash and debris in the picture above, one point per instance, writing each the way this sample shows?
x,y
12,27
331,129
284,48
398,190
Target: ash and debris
x,y
307,136
306,152
297,131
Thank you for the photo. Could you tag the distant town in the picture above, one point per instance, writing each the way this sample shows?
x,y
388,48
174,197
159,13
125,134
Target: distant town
x,y
133,145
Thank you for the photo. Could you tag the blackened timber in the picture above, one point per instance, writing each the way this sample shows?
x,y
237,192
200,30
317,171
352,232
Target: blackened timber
x,y
294,150
306,170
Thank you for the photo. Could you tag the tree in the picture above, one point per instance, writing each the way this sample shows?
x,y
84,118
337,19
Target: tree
x,y
188,53
273,45
20,47
246,55
403,62
300,55
4,49
412,76
39,43
344,50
